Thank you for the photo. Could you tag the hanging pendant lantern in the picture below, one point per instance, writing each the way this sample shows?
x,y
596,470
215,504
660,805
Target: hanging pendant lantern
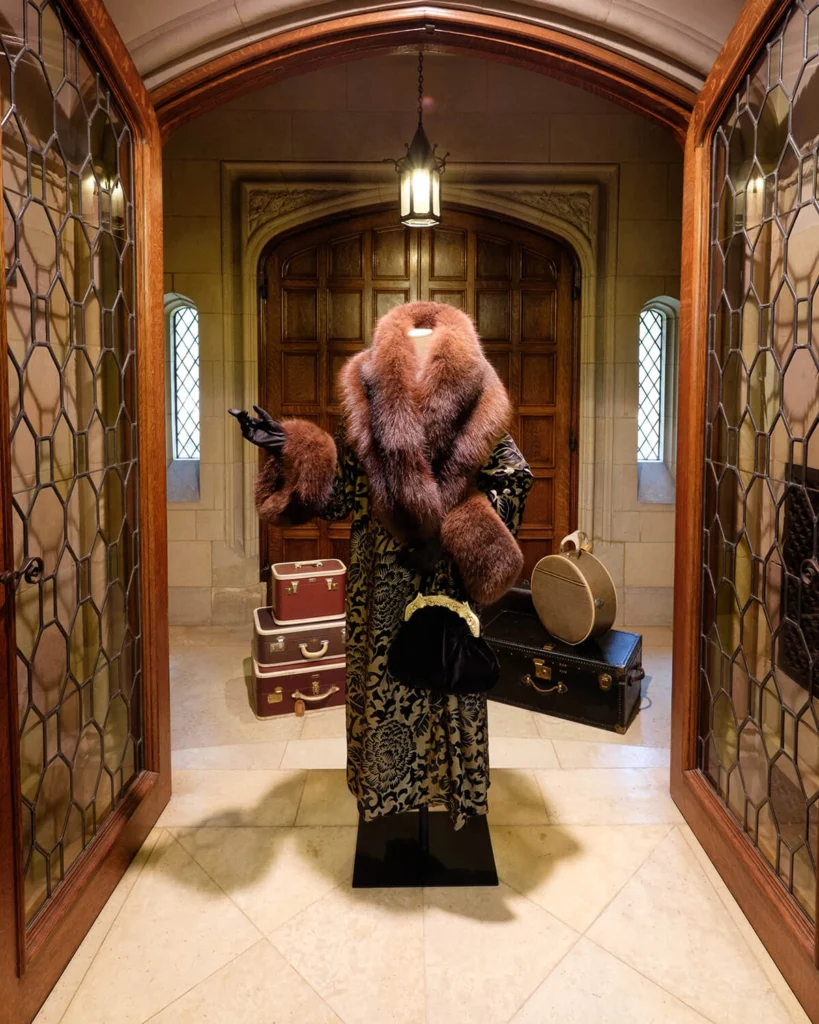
x,y
419,172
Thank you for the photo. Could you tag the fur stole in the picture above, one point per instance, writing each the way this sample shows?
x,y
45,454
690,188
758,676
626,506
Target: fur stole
x,y
422,429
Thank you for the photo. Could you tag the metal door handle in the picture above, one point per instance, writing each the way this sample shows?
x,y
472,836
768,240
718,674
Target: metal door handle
x,y
314,654
31,572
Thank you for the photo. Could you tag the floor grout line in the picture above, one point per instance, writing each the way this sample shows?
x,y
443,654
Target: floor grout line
x,y
114,919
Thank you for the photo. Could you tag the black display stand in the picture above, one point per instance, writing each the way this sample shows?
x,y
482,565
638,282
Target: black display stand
x,y
417,848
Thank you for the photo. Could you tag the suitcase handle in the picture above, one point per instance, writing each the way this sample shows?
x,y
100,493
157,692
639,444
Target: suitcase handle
x,y
314,698
310,655
558,688
317,562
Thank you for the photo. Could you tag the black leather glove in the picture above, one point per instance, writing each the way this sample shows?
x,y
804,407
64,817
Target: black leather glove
x,y
263,431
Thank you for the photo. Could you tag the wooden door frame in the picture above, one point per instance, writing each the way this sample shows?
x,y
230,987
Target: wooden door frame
x,y
31,963
340,216
774,915
439,29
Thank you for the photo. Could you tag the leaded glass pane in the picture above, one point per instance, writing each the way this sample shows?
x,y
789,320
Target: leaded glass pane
x,y
759,669
185,335
70,288
651,369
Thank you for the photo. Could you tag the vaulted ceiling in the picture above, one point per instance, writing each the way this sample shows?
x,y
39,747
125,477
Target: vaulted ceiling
x,y
679,38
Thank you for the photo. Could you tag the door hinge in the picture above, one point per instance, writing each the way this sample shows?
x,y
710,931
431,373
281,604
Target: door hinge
x,y
264,572
262,288
572,441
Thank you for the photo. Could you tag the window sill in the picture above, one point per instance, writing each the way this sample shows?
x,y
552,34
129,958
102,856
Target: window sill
x,y
655,485
183,481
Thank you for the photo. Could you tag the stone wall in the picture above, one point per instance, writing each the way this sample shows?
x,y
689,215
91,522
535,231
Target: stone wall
x,y
483,113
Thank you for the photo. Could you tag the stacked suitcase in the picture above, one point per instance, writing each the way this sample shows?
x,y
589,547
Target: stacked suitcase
x,y
299,642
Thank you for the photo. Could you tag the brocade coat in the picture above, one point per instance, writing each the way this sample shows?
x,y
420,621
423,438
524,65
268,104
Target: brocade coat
x,y
423,463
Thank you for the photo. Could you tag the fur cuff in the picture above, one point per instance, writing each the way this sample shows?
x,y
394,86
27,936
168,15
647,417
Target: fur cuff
x,y
292,489
487,555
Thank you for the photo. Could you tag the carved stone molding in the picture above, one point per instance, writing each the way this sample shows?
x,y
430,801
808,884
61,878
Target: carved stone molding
x,y
573,207
266,204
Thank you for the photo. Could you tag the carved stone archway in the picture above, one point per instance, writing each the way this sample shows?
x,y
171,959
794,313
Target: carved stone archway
x,y
576,204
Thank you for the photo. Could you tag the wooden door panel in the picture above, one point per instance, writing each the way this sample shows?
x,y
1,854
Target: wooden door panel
x,y
327,287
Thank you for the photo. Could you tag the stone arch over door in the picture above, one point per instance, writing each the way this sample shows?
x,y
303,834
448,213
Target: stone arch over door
x,y
327,284
576,206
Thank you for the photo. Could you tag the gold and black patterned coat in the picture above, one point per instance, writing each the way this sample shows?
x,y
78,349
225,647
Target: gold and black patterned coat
x,y
423,461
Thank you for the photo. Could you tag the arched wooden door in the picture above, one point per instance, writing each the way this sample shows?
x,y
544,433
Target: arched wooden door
x,y
327,286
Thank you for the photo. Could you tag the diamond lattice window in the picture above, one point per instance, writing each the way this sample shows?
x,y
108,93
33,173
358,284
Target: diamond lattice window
x,y
650,386
185,335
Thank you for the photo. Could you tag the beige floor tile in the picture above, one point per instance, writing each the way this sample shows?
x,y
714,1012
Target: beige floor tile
x,y
579,754
61,995
515,798
506,720
327,800
362,951
325,753
508,752
618,796
589,986
258,987
233,798
573,871
772,972
210,636
224,716
322,725
194,670
669,924
273,873
175,928
233,757
486,951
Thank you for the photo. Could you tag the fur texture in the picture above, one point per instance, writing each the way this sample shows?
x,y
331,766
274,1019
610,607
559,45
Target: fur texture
x,y
293,489
422,429
488,559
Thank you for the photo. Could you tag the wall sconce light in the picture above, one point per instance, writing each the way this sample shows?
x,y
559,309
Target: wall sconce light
x,y
419,172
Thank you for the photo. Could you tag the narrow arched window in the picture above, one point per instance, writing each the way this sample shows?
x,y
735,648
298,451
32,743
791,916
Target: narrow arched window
x,y
185,382
651,385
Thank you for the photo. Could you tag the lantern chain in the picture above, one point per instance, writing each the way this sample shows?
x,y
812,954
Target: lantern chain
x,y
420,85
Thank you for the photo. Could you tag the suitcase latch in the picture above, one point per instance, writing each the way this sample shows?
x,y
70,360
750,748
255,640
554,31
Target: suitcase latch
x,y
331,583
293,588
542,671
277,644
276,697
605,680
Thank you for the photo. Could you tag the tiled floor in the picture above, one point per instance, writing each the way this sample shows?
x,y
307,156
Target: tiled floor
x,y
239,910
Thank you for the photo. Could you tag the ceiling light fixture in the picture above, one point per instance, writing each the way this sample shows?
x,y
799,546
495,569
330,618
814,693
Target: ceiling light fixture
x,y
419,172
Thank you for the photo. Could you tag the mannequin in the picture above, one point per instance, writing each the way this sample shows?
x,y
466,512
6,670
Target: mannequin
x,y
436,489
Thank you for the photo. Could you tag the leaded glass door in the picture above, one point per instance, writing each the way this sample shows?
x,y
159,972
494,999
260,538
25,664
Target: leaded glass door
x,y
82,683
746,717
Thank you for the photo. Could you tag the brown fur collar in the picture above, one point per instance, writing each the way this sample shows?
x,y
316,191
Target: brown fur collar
x,y
422,429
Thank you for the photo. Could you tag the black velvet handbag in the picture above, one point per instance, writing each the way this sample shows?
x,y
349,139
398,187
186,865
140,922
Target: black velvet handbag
x,y
439,648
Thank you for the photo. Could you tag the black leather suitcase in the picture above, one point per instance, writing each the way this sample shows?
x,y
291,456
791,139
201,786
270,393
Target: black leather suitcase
x,y
596,682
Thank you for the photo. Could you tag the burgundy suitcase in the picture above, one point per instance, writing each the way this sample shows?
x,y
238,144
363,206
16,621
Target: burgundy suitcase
x,y
306,591
276,644
282,689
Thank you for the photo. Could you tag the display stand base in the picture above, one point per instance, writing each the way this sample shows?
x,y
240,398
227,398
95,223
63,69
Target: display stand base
x,y
417,848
